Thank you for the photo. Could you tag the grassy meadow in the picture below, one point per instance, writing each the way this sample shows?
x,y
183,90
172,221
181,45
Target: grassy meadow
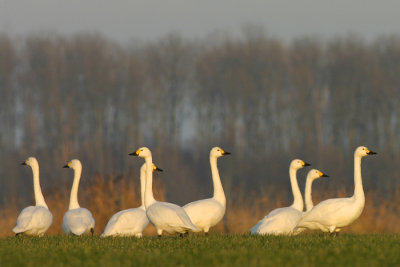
x,y
200,250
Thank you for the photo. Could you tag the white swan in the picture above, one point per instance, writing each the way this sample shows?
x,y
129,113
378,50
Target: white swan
x,y
208,212
163,215
333,214
77,220
311,176
130,222
34,220
283,220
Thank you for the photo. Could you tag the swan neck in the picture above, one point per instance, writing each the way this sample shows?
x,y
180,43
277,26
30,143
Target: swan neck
x,y
297,198
149,198
358,187
307,194
39,199
142,183
219,194
73,200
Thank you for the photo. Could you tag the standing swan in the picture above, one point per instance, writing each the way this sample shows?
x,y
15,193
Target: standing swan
x,y
333,214
163,215
34,220
311,176
130,222
208,212
283,220
77,220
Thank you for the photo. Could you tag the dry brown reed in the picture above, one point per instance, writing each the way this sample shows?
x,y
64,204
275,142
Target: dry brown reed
x,y
104,196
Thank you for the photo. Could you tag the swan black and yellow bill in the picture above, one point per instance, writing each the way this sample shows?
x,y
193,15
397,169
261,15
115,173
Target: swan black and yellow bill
x,y
321,174
226,153
136,153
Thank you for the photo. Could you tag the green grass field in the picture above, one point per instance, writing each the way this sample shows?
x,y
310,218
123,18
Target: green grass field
x,y
199,250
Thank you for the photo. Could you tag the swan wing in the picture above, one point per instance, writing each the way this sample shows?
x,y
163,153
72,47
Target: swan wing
x,y
127,222
182,215
279,221
33,220
24,219
205,213
169,217
326,213
78,221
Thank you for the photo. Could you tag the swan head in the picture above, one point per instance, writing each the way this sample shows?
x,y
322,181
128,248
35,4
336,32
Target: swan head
x,y
363,151
315,174
31,161
141,152
73,164
155,168
298,164
218,152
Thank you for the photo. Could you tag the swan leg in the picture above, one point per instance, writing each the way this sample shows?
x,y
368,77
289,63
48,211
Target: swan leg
x,y
92,231
18,234
159,232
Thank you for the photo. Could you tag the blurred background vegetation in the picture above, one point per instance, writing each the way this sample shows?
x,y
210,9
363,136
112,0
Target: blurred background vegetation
x,y
266,101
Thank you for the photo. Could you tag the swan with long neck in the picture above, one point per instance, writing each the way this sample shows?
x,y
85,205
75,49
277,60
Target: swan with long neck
x,y
130,222
34,220
208,212
163,215
333,214
311,177
282,221
77,220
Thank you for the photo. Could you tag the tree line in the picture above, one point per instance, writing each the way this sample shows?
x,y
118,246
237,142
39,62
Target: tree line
x,y
264,100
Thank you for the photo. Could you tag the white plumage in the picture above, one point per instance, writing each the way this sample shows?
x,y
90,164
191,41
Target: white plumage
x,y
130,222
34,220
311,176
206,213
77,220
283,220
333,214
163,215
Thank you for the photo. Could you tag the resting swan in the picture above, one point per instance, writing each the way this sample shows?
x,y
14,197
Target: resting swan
x,y
208,212
283,220
163,215
333,214
77,220
130,222
34,220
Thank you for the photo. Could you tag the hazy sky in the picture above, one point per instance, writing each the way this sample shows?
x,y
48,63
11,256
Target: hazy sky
x,y
126,19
